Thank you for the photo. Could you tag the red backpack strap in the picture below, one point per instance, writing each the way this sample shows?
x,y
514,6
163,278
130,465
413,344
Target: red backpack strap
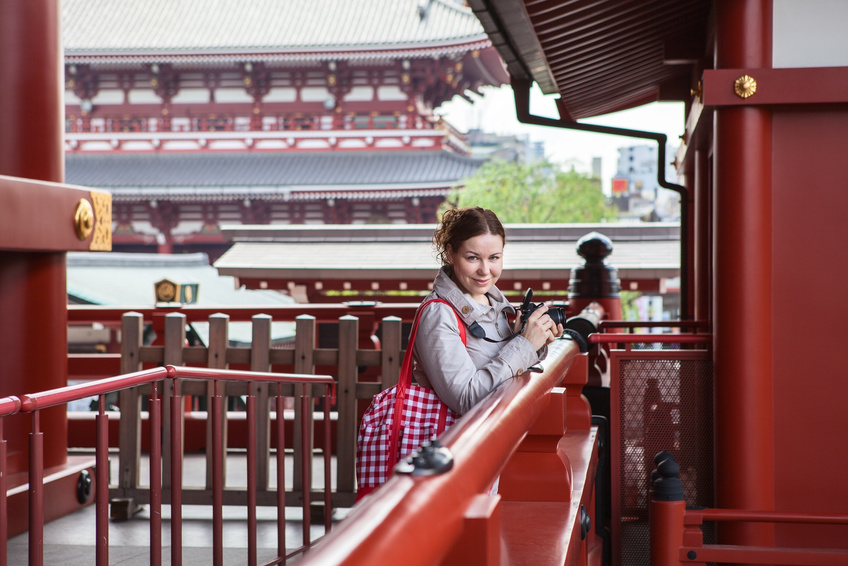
x,y
458,319
405,380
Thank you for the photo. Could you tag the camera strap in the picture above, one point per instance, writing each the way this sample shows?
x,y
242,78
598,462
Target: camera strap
x,y
478,332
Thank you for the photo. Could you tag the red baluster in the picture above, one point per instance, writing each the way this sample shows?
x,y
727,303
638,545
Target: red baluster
x,y
101,460
155,418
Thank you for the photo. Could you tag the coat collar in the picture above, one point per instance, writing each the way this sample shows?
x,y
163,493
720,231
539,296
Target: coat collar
x,y
469,309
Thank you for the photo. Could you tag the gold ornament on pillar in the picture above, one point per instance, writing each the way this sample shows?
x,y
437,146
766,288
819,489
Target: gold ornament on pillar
x,y
84,219
102,239
745,86
95,217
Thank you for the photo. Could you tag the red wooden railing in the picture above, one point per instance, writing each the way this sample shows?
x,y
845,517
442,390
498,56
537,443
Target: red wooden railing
x,y
90,365
650,338
450,518
677,537
298,121
34,403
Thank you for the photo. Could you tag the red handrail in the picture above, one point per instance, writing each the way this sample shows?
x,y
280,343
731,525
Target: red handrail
x,y
195,313
650,338
677,538
653,324
698,516
387,526
33,403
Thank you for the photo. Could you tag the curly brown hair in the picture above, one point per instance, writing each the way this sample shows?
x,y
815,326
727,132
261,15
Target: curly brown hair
x,y
461,224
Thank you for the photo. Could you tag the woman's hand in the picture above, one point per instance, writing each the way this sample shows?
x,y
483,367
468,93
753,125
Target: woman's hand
x,y
540,329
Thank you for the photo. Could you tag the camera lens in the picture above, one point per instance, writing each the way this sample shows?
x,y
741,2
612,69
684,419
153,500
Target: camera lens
x,y
557,315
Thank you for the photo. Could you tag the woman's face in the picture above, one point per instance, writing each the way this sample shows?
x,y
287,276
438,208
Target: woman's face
x,y
477,264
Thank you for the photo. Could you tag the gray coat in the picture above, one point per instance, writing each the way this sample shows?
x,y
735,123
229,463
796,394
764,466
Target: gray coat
x,y
461,376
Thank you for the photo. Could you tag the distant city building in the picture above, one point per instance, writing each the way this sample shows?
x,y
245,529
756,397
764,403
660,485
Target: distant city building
x,y
635,188
597,164
512,148
247,116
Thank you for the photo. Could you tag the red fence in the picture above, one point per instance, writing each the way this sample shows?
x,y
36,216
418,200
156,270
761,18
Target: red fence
x,y
677,532
171,377
660,399
545,495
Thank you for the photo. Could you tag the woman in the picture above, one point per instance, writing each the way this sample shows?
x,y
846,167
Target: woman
x,y
470,243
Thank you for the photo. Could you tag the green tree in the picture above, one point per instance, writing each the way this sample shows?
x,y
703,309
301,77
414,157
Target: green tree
x,y
533,193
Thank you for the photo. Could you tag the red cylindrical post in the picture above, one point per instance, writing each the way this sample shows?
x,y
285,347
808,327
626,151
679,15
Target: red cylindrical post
x,y
3,504
328,484
36,493
102,489
31,140
666,519
666,513
33,293
217,480
155,417
176,481
281,475
742,293
701,280
251,479
306,468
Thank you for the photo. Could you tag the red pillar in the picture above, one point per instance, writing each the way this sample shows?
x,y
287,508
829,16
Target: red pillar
x,y
742,274
701,222
33,295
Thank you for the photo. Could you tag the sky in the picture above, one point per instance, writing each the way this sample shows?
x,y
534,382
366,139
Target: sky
x,y
494,112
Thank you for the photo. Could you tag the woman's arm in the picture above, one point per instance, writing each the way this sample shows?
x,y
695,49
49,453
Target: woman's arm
x,y
449,366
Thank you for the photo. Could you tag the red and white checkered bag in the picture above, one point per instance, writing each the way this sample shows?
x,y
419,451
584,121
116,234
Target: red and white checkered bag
x,y
398,421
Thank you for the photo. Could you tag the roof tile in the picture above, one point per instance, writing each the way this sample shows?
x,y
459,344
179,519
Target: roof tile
x,y
314,170
118,26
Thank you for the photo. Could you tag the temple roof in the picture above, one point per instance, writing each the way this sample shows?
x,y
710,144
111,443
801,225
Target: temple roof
x,y
533,253
600,57
192,175
294,27
128,279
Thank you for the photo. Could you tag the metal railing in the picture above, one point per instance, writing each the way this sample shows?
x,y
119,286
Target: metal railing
x,y
659,398
172,378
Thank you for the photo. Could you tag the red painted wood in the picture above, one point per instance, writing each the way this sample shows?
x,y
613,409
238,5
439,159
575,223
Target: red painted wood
x,y
388,523
702,228
32,91
251,479
539,470
102,486
666,518
742,325
810,420
33,345
217,480
33,338
176,481
822,85
155,408
36,494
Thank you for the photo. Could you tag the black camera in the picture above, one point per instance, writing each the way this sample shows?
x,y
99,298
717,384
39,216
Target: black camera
x,y
527,308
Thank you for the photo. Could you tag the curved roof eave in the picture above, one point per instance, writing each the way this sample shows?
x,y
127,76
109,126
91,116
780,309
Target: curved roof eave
x,y
350,53
108,26
600,57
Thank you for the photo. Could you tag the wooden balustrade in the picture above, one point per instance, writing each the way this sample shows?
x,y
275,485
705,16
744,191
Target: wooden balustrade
x,y
345,363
